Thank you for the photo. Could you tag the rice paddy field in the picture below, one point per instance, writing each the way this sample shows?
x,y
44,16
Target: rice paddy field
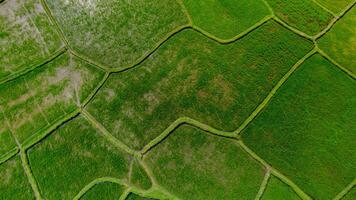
x,y
178,99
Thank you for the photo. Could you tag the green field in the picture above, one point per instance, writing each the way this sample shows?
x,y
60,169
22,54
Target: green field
x,y
303,15
26,37
235,16
277,190
216,85
136,197
71,156
104,191
340,41
37,100
14,184
119,33
177,99
351,195
302,137
213,167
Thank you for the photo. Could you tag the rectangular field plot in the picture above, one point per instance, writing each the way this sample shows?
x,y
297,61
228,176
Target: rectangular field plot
x,y
193,76
32,103
192,164
303,15
27,37
73,156
307,130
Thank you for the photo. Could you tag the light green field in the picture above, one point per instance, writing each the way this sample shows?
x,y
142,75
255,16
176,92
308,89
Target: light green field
x,y
340,42
26,37
116,33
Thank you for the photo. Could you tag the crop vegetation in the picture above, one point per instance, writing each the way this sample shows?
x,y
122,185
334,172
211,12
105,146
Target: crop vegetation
x,y
177,99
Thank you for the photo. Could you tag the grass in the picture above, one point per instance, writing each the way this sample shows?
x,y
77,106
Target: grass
x,y
277,190
13,181
195,165
192,76
116,33
305,131
35,101
104,191
340,42
303,15
26,37
72,157
225,18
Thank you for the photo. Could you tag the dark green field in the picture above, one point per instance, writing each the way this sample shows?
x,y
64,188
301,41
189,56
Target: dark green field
x,y
177,99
